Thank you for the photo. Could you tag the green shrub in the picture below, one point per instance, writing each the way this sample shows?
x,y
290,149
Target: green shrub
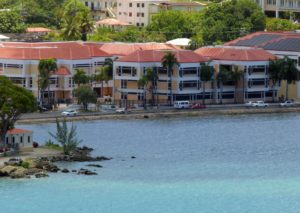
x,y
25,164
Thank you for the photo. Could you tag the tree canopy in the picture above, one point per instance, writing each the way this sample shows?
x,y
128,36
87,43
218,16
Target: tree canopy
x,y
277,24
85,95
231,19
14,100
11,22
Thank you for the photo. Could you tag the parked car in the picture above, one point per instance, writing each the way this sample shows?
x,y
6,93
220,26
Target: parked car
x,y
198,106
249,104
69,112
287,103
182,104
260,104
121,110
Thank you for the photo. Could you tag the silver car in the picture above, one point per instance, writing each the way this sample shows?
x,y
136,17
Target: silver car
x,y
69,112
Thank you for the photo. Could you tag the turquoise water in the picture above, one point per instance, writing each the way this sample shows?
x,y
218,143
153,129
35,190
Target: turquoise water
x,y
201,164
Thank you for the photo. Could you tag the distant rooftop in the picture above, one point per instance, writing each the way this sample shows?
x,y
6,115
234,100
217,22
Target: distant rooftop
x,y
277,41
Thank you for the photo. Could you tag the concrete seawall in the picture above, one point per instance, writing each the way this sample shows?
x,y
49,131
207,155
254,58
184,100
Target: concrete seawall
x,y
164,114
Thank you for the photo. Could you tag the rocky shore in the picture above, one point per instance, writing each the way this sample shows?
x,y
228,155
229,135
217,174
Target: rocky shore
x,y
40,166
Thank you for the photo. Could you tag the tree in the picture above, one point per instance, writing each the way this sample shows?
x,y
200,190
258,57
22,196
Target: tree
x,y
85,95
11,22
153,78
103,76
76,20
108,62
169,60
174,24
206,73
67,138
222,77
277,24
231,19
289,73
236,75
143,82
275,69
46,67
14,100
80,77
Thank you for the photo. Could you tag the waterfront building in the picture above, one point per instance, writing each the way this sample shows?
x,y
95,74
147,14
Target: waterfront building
x,y
19,62
184,83
280,44
254,83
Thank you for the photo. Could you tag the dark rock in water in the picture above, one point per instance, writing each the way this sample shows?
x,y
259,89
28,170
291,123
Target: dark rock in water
x,y
65,170
146,116
133,157
41,174
86,172
94,165
74,170
85,148
101,158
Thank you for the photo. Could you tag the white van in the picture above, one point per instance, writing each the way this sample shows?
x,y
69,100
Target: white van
x,y
182,104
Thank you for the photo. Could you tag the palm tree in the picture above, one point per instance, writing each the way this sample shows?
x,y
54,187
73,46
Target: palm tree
x,y
153,78
236,75
289,73
80,77
222,77
71,28
143,82
206,73
103,76
46,67
169,60
86,24
275,67
108,62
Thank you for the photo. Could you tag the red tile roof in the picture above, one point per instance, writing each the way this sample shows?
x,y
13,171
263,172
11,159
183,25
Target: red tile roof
x,y
235,54
122,49
183,56
38,30
62,71
18,131
58,50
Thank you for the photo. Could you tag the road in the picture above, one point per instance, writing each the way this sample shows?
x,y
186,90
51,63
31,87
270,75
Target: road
x,y
53,114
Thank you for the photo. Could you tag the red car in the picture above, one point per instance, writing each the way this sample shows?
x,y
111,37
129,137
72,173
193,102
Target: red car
x,y
198,106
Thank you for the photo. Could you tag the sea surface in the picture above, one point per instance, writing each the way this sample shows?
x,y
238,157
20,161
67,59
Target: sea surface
x,y
234,164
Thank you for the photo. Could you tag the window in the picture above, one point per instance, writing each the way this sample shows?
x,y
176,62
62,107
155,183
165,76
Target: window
x,y
257,82
124,96
140,96
124,84
142,24
253,95
13,65
92,6
188,71
227,95
30,82
137,24
86,4
188,85
28,139
256,69
142,14
169,85
138,14
120,13
21,139
71,83
130,4
161,70
13,139
138,5
143,5
299,58
82,65
130,14
119,4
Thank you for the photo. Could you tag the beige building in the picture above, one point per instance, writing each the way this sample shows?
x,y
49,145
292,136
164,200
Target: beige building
x,y
275,7
140,12
101,8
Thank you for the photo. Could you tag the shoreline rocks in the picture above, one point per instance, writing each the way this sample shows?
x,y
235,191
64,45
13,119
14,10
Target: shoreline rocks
x,y
39,167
